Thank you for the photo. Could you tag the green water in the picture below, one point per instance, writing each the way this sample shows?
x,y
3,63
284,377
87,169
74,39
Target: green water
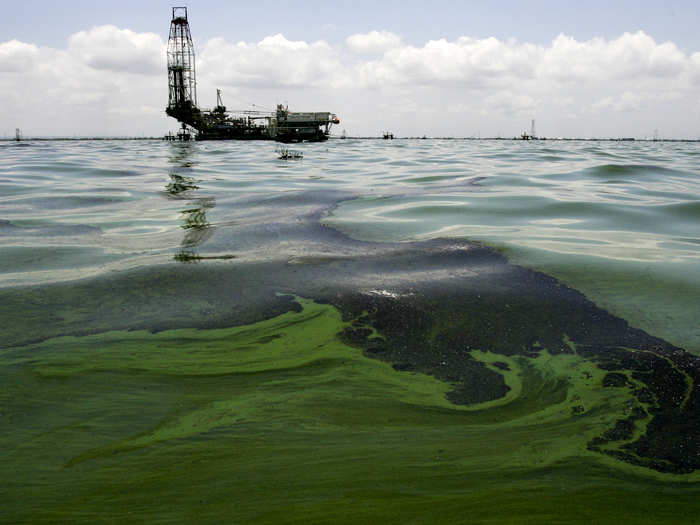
x,y
279,421
205,333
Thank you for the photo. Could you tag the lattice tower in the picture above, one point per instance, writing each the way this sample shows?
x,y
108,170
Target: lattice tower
x,y
182,81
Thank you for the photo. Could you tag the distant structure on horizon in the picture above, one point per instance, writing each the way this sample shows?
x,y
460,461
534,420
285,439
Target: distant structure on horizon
x,y
218,123
18,134
532,135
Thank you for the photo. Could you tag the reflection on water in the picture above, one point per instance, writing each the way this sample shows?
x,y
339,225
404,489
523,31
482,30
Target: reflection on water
x,y
183,187
195,223
179,184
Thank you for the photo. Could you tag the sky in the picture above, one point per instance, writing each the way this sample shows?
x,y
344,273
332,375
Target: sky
x,y
439,68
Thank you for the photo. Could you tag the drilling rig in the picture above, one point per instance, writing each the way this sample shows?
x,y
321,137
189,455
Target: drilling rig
x,y
218,123
182,96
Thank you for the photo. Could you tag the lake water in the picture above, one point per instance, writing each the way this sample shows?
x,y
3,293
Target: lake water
x,y
380,326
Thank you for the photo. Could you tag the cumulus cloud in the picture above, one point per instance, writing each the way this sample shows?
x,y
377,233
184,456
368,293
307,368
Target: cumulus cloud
x,y
466,61
509,104
76,90
16,57
695,68
486,61
373,42
373,81
274,62
632,55
627,101
121,50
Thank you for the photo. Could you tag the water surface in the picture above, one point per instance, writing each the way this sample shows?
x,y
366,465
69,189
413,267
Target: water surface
x,y
378,330
617,220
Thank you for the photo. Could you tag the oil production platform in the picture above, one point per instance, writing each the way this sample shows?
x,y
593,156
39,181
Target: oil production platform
x,y
281,125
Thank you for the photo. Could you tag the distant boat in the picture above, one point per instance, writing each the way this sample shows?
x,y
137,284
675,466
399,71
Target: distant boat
x,y
387,135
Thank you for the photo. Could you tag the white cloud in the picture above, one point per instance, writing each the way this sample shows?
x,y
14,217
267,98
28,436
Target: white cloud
x,y
695,68
466,61
374,42
121,50
274,62
631,56
17,57
114,80
77,89
627,101
509,104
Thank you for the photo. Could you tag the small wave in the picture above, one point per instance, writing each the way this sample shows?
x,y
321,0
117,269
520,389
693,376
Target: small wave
x,y
688,240
69,202
432,178
10,229
621,170
682,210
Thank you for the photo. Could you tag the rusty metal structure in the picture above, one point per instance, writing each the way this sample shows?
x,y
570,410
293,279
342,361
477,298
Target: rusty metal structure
x,y
218,123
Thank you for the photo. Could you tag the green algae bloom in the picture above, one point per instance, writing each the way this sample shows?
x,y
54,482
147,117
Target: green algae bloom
x,y
280,421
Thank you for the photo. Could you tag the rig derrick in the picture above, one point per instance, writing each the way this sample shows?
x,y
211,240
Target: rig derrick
x,y
182,84
281,125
